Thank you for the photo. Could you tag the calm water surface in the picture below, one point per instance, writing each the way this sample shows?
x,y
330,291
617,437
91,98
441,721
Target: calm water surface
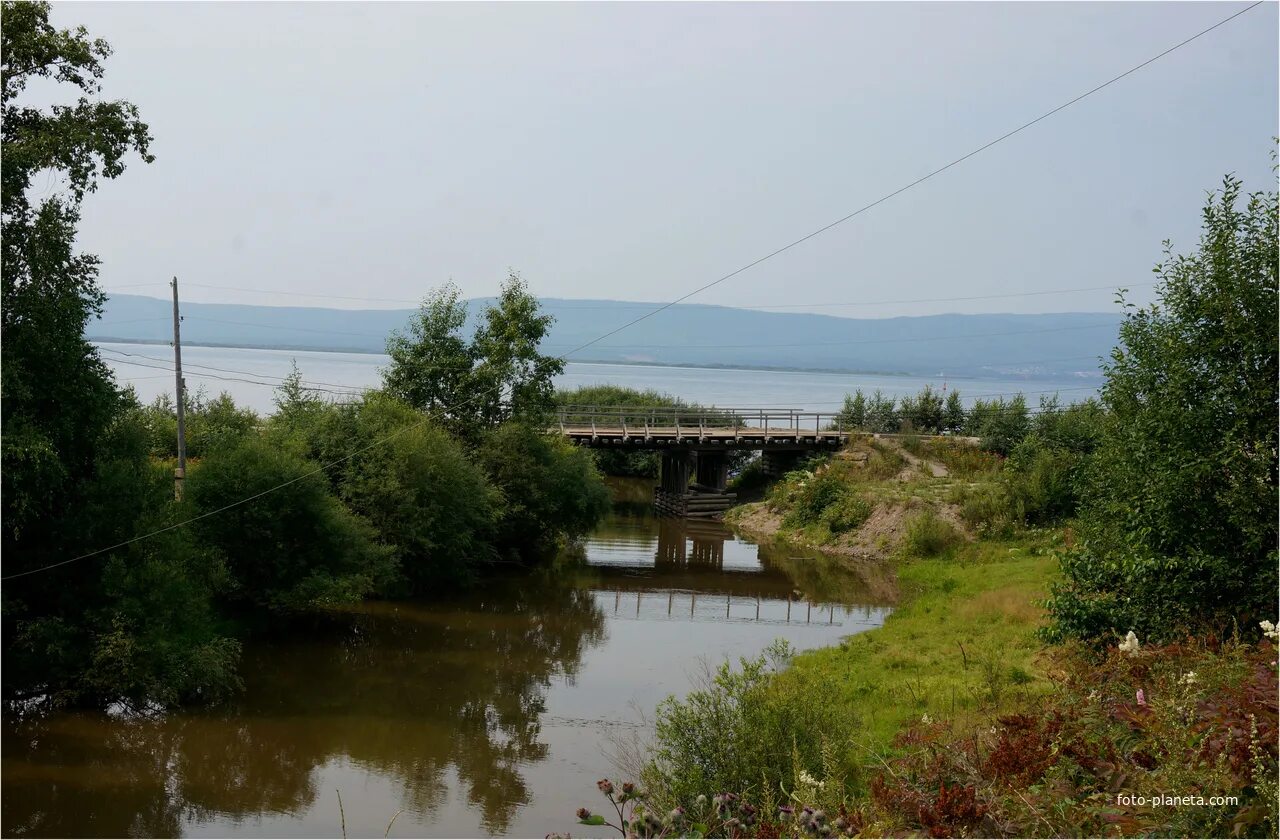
x,y
249,375
486,712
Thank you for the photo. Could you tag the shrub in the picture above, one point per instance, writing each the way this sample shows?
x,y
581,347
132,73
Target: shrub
x,y
810,494
293,545
986,508
1179,720
741,730
551,488
1180,514
963,460
847,513
414,483
928,535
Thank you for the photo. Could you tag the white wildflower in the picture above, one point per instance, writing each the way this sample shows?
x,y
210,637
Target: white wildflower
x,y
1269,630
925,719
1130,644
1189,678
1094,696
809,781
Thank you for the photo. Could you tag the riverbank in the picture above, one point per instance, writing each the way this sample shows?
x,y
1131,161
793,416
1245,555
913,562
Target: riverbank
x,y
954,717
961,642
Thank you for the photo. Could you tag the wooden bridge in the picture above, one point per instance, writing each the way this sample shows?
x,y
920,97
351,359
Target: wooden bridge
x,y
712,428
695,444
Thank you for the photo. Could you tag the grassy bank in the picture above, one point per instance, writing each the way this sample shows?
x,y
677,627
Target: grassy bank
x,y
960,645
954,718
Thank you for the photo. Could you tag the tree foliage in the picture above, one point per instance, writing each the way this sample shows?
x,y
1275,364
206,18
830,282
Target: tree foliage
x,y
1179,524
551,488
294,545
426,497
500,374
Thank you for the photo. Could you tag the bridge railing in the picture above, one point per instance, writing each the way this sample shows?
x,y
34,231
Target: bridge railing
x,y
637,419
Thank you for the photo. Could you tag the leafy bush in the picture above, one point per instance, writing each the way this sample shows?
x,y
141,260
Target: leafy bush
x,y
210,424
551,488
410,479
810,494
1001,425
733,733
986,508
928,535
847,513
1180,512
293,545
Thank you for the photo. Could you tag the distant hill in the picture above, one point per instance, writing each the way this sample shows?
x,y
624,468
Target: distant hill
x,y
686,334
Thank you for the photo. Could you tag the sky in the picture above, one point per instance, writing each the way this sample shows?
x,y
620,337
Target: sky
x,y
638,151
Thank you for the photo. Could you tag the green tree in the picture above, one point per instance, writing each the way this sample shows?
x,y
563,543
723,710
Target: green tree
x,y
882,413
134,623
293,546
431,361
953,413
924,411
908,411
1179,525
415,484
1001,425
513,379
552,489
854,413
58,395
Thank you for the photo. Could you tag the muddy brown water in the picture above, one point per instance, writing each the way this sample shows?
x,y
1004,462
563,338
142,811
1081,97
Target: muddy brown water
x,y
490,712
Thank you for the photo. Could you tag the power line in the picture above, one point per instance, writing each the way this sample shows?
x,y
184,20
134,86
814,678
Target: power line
x,y
233,379
921,179
660,309
233,370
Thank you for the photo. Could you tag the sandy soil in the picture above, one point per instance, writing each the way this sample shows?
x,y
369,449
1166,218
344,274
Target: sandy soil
x,y
878,538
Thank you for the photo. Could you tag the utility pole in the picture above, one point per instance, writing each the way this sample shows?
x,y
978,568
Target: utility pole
x,y
181,472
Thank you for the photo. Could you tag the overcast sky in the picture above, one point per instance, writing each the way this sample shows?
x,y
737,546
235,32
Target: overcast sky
x,y
636,151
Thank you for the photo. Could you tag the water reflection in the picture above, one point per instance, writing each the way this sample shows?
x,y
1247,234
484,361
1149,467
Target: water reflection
x,y
486,713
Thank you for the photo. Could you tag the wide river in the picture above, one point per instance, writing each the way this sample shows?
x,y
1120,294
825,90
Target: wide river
x,y
251,375
488,712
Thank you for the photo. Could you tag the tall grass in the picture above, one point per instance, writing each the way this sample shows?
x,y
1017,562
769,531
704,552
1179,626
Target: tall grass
x,y
928,535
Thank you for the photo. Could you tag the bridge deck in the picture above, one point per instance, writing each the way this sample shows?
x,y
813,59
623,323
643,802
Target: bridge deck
x,y
740,437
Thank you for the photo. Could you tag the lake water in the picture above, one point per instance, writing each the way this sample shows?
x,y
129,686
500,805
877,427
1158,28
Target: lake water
x,y
491,712
251,375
